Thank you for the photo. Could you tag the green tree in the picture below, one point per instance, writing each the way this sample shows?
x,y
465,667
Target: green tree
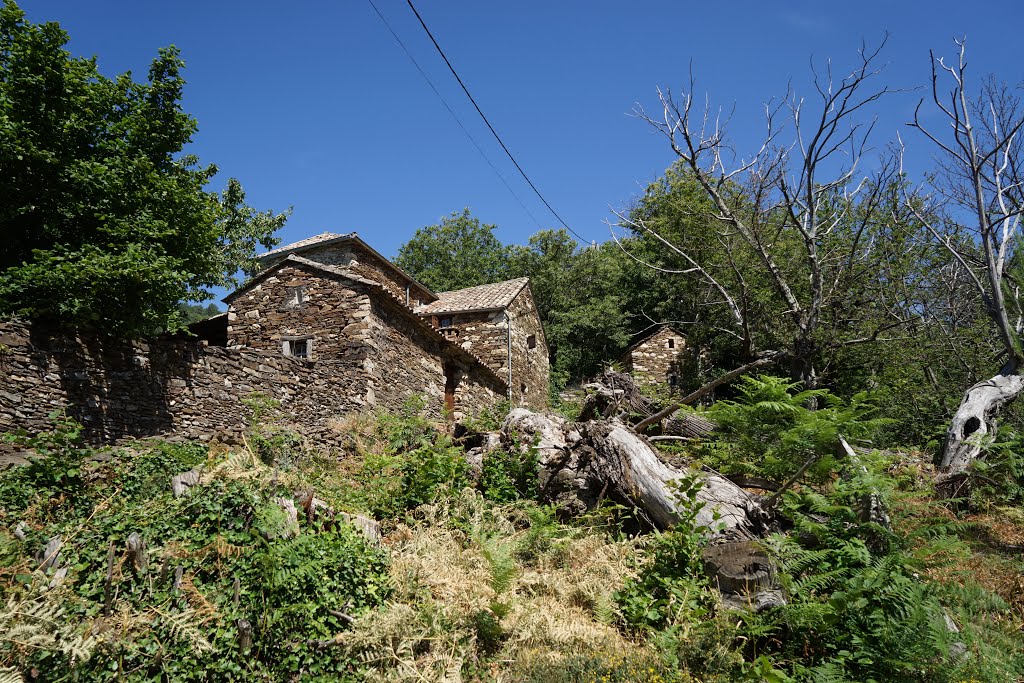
x,y
105,223
458,252
580,299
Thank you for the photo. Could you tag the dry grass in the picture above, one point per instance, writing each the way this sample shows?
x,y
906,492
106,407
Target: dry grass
x,y
456,569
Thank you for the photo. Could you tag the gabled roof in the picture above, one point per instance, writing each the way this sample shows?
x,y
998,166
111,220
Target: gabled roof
x,y
328,238
657,330
313,241
491,297
346,274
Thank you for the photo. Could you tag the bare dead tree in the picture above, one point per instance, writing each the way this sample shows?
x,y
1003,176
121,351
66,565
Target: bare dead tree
x,y
979,195
801,211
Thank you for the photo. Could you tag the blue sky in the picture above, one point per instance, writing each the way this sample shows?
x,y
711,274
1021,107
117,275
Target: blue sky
x,y
313,105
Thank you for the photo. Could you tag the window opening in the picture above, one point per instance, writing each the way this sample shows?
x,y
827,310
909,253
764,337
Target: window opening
x,y
298,296
298,348
446,322
531,341
672,380
671,343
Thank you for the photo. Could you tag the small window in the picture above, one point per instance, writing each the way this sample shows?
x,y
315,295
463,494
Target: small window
x,y
531,341
671,343
298,348
297,296
672,381
445,323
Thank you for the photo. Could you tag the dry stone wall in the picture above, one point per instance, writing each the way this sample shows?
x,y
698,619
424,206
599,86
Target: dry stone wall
x,y
166,386
409,358
658,359
530,366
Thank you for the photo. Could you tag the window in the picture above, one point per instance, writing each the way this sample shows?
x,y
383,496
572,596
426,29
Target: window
x,y
298,347
672,381
671,343
445,323
531,341
297,296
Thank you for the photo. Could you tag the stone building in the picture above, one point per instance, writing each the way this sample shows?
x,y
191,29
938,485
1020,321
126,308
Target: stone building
x,y
329,327
500,323
657,358
334,297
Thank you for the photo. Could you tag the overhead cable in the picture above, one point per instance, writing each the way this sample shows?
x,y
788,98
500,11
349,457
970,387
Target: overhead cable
x,y
493,132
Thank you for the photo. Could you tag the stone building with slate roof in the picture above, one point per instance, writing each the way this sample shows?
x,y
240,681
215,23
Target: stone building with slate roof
x,y
657,358
333,298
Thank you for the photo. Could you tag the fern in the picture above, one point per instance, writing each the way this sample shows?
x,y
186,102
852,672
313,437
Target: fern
x,y
35,620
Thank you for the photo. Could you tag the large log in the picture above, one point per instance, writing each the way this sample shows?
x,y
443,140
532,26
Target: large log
x,y
582,463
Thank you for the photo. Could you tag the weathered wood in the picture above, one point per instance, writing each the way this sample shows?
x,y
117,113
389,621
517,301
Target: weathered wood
x,y
178,573
244,635
972,422
108,592
236,592
137,552
580,462
180,483
707,389
49,558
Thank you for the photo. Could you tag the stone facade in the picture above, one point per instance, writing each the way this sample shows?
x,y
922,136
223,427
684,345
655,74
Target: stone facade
x,y
530,369
658,358
351,253
496,334
325,337
342,317
166,386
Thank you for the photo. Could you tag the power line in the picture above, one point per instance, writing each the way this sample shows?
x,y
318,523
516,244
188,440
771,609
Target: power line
x,y
453,115
493,132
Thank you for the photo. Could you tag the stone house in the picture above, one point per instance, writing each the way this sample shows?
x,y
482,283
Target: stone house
x,y
329,327
333,297
658,358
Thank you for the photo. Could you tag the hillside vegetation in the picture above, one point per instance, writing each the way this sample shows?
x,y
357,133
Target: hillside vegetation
x,y
474,578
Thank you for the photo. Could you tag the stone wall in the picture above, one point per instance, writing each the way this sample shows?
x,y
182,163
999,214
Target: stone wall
x,y
164,386
658,359
410,358
484,333
530,368
266,315
366,264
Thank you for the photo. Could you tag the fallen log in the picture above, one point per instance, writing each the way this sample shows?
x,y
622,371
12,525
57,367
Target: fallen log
x,y
581,463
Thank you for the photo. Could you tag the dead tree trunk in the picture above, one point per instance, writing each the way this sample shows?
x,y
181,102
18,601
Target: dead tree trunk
x,y
973,421
581,464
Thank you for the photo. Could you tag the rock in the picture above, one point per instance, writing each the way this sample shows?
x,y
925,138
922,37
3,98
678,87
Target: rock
x,y
180,483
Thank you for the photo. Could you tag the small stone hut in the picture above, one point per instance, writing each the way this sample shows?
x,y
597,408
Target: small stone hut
x,y
657,358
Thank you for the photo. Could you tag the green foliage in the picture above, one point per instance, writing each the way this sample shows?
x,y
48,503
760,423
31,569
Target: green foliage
x,y
193,313
458,252
671,588
107,224
291,588
997,476
771,429
509,475
859,606
416,465
56,466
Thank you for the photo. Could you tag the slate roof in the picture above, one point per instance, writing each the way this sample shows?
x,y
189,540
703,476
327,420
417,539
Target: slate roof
x,y
332,238
308,242
481,298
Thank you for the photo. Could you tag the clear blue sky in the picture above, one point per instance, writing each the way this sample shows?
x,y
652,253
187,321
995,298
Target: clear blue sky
x,y
314,105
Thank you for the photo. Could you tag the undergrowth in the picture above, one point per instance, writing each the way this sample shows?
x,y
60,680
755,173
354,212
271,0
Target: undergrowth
x,y
478,580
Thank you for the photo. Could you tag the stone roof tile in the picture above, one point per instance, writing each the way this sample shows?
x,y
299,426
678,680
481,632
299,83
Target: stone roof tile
x,y
302,244
480,298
